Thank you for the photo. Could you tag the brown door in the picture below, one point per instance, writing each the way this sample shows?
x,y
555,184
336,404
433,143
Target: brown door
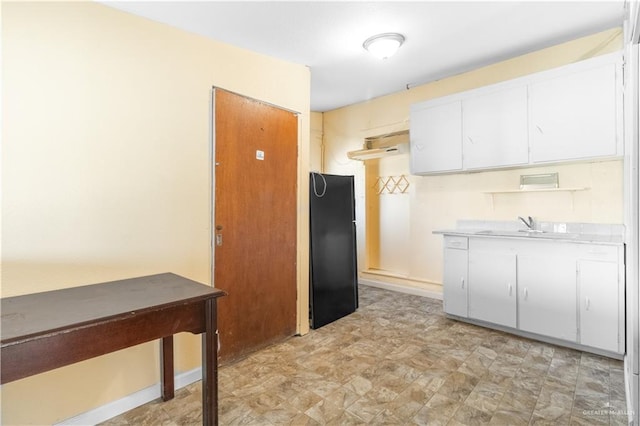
x,y
254,222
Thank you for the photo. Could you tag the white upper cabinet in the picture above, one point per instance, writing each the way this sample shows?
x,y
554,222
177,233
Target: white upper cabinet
x,y
436,137
569,113
574,116
494,129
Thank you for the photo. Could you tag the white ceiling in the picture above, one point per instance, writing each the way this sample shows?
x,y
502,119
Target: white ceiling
x,y
443,38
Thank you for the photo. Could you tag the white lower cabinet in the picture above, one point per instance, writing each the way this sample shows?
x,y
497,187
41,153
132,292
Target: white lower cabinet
x,y
547,294
599,305
492,286
455,281
569,292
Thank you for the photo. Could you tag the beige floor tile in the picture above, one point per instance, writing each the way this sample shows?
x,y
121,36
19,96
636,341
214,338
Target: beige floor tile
x,y
458,386
365,409
359,385
486,396
324,411
476,364
469,416
438,411
342,397
399,361
410,401
536,420
509,417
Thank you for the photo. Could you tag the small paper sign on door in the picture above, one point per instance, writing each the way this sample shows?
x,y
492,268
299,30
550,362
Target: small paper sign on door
x,y
259,155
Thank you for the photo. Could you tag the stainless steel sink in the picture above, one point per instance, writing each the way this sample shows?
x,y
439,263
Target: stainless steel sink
x,y
502,233
559,235
529,233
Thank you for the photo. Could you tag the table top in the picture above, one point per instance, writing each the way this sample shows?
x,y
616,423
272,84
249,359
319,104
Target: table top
x,y
32,315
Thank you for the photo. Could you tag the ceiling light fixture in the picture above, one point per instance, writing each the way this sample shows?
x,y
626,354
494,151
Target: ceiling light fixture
x,y
383,46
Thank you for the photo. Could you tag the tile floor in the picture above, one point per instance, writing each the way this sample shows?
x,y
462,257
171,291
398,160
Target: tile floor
x,y
399,361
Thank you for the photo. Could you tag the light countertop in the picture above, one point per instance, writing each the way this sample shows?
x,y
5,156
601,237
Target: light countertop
x,y
562,232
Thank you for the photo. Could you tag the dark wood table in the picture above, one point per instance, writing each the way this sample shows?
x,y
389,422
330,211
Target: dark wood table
x,y
43,331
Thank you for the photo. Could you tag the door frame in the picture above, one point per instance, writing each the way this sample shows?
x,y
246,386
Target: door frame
x,y
302,231
632,216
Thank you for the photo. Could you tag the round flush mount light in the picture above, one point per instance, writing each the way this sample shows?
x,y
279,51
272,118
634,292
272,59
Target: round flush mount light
x,y
383,46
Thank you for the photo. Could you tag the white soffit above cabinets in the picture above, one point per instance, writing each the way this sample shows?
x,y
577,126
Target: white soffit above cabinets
x,y
443,38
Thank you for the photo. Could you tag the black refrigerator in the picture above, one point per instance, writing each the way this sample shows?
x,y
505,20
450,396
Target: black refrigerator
x,y
333,264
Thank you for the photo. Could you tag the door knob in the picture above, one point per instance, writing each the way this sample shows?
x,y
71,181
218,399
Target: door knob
x,y
218,235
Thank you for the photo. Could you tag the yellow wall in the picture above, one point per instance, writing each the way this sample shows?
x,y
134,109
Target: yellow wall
x,y
437,202
317,149
105,172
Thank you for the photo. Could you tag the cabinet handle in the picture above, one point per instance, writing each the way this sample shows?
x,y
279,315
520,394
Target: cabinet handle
x,y
470,139
510,289
462,282
526,293
539,129
588,303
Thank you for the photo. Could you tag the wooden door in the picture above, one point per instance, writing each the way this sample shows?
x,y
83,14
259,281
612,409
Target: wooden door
x,y
255,208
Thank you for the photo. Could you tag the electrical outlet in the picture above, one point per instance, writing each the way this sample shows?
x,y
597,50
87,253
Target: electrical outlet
x,y
560,227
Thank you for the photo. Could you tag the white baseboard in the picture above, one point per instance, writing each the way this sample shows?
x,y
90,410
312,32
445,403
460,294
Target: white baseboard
x,y
631,391
129,402
401,288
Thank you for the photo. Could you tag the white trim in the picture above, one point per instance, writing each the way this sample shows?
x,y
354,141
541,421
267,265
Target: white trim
x,y
632,224
401,288
634,22
129,402
631,388
212,183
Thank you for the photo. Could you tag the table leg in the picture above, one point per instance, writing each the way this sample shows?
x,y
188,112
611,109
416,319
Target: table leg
x,y
210,366
167,373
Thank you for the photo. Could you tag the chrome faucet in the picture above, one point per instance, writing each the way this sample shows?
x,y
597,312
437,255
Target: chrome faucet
x,y
530,224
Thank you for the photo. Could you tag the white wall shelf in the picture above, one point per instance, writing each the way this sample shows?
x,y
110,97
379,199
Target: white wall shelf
x,y
522,191
572,191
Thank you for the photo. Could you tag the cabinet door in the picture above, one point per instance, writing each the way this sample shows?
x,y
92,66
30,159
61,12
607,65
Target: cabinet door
x,y
599,304
492,287
436,138
574,116
495,131
547,295
455,282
